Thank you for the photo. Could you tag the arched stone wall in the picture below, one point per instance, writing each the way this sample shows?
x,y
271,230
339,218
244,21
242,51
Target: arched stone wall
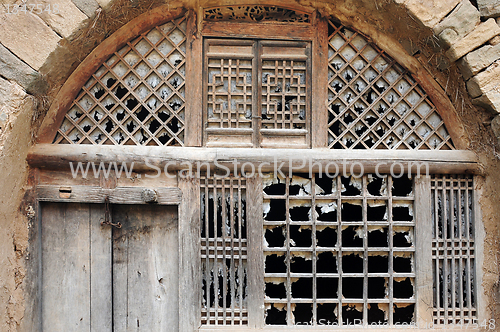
x,y
458,42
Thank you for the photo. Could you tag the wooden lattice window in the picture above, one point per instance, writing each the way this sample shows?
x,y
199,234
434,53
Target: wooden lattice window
x,y
257,93
223,251
373,102
339,251
453,250
136,97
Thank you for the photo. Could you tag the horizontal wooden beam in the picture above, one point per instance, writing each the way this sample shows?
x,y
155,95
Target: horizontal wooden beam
x,y
153,159
93,194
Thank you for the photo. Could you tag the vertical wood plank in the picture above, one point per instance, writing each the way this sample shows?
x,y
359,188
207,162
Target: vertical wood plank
x,y
66,267
101,309
319,95
189,255
255,261
423,256
194,83
145,278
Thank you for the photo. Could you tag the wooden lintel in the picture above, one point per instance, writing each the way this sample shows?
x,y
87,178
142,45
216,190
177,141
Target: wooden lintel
x,y
93,194
154,159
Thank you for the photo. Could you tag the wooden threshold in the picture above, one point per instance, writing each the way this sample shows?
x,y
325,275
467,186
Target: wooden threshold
x,y
50,156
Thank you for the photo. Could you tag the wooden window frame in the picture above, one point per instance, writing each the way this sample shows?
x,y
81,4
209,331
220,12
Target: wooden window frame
x,y
256,135
314,33
423,287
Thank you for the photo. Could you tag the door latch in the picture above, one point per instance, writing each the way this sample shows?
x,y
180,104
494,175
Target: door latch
x,y
106,215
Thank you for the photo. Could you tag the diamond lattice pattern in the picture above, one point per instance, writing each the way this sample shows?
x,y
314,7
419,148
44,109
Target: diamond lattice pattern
x,y
373,102
136,97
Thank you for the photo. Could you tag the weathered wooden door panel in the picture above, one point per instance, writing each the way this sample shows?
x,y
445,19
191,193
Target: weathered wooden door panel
x,y
145,269
75,269
99,278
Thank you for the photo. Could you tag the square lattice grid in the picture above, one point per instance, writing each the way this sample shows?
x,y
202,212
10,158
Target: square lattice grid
x,y
223,251
339,251
229,93
453,250
373,103
136,97
284,95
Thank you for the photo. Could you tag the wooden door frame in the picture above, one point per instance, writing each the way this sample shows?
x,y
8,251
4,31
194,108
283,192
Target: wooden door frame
x,y
37,194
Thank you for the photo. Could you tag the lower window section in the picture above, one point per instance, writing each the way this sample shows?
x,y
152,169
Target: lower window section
x,y
224,251
321,251
338,251
453,253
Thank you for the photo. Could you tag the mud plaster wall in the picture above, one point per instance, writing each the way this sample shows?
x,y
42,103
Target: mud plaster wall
x,y
38,53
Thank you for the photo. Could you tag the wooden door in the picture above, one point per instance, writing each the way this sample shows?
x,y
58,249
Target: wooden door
x,y
145,269
99,278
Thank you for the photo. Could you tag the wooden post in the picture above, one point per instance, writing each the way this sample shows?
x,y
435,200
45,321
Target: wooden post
x,y
255,254
189,255
423,256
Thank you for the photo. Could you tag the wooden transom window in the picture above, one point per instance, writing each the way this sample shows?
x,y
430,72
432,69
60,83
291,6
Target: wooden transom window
x,y
257,93
136,97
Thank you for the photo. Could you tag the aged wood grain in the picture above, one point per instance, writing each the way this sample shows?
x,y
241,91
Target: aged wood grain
x,y
423,257
443,162
255,253
101,318
93,194
145,277
66,267
189,256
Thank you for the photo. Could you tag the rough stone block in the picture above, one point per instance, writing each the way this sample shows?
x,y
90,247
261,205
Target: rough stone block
x,y
28,37
495,126
489,8
489,101
494,41
474,62
104,3
462,20
431,12
88,7
12,68
479,36
11,96
485,81
64,17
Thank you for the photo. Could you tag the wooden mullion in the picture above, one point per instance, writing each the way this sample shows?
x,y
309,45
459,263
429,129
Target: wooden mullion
x,y
365,250
391,250
445,251
223,291
423,257
255,269
232,242
193,84
257,94
339,249
189,255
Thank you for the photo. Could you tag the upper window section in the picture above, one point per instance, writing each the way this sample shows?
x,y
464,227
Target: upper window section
x,y
258,77
373,103
136,97
257,93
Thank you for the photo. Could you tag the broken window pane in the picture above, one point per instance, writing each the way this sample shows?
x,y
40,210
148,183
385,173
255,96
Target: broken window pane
x,y
336,263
